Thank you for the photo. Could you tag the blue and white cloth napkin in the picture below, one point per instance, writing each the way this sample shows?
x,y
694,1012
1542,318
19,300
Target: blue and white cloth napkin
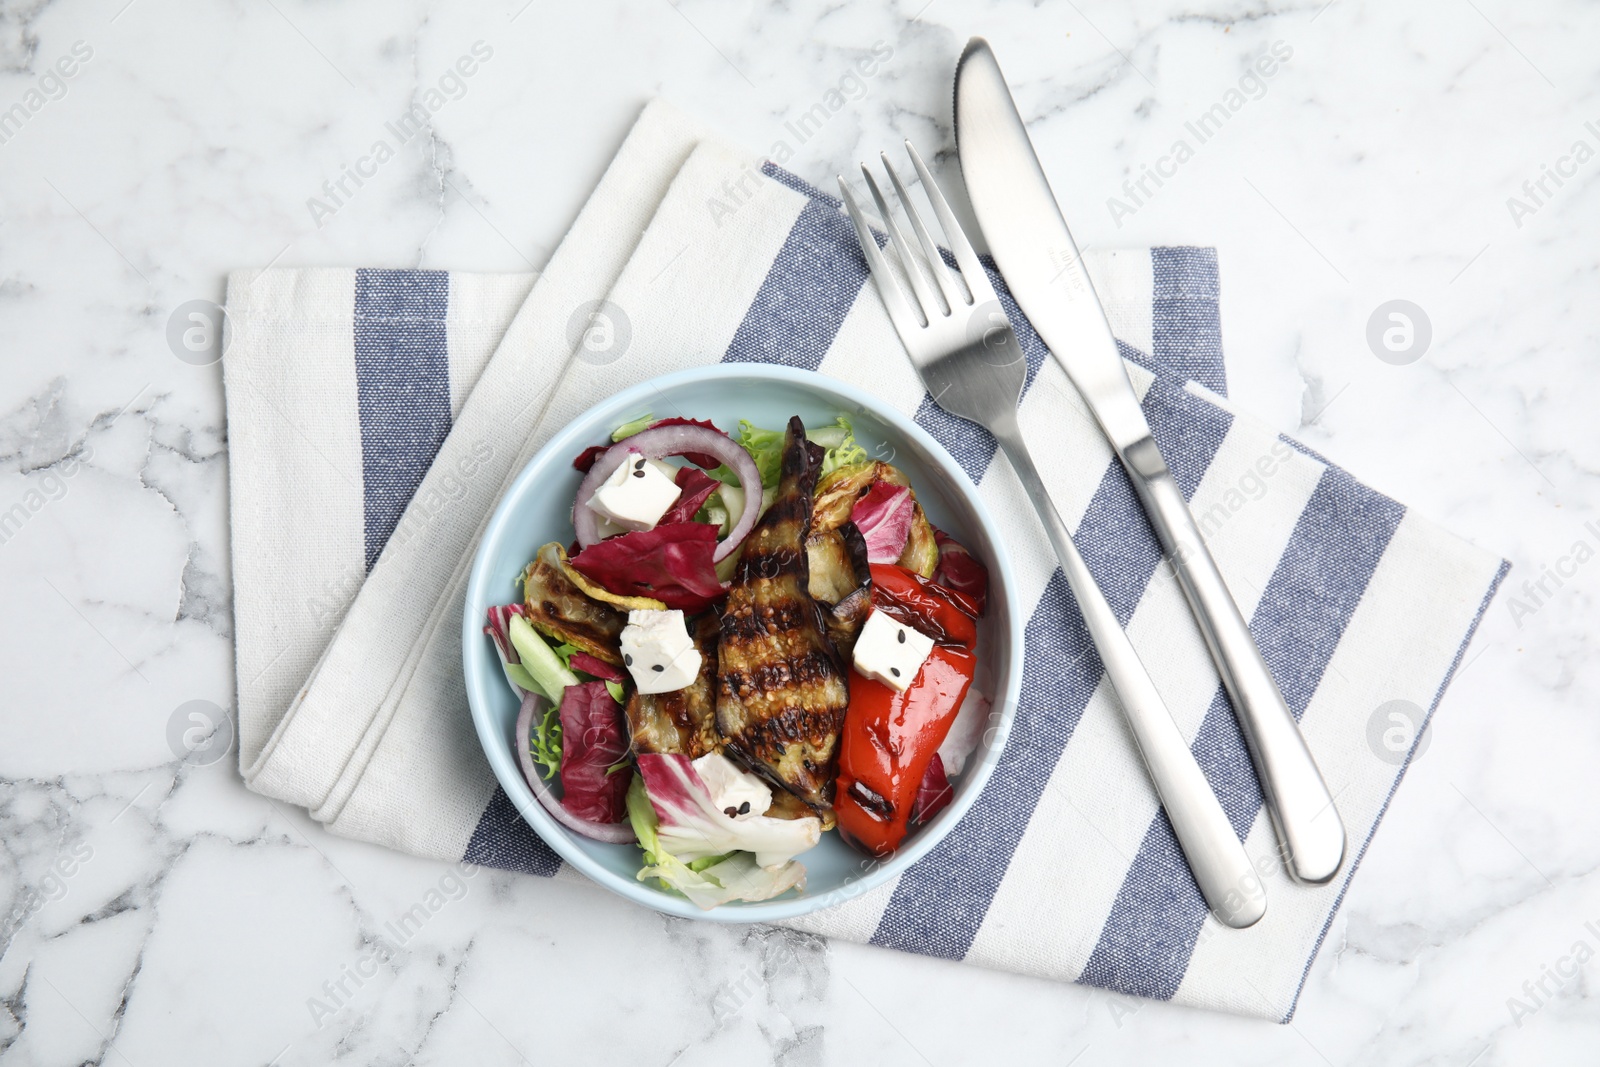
x,y
375,417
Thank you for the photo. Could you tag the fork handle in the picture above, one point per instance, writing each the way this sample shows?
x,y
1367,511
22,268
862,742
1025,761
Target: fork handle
x,y
1229,883
1296,797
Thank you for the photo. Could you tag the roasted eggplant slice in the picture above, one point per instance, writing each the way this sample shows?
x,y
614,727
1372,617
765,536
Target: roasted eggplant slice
x,y
841,581
785,805
845,619
781,687
833,573
921,553
560,609
685,720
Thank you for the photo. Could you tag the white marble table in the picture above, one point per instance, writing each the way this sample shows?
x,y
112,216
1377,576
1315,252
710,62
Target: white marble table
x,y
159,913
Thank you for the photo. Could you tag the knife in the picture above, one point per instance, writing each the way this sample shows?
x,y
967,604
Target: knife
x,y
1039,260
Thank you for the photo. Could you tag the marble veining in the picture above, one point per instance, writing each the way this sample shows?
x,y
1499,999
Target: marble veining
x,y
157,912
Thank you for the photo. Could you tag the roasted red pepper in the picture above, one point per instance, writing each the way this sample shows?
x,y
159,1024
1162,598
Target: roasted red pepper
x,y
943,614
890,738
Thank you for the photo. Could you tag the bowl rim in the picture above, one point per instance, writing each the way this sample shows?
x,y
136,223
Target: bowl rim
x,y
476,660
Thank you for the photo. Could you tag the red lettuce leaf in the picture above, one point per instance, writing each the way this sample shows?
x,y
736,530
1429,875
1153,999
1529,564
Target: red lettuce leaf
x,y
883,515
693,488
671,563
933,794
593,739
499,619
599,668
587,457
959,571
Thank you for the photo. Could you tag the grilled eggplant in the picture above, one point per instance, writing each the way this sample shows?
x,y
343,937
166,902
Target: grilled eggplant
x,y
560,609
833,574
685,720
781,687
841,581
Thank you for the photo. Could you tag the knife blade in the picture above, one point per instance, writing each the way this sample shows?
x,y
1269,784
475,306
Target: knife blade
x,y
1030,242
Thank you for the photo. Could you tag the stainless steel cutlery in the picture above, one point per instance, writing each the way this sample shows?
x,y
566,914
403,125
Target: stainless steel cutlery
x,y
971,364
1041,265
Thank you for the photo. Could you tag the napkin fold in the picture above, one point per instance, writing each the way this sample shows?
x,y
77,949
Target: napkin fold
x,y
375,417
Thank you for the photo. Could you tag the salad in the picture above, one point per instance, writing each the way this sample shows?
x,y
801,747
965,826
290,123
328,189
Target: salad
x,y
750,641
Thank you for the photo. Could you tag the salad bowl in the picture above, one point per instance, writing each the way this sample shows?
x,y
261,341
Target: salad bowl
x,y
537,508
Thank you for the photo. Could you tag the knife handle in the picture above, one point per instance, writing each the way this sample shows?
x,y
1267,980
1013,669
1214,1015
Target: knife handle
x,y
1297,798
1223,871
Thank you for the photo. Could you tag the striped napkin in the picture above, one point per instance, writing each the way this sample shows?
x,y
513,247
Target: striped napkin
x,y
375,416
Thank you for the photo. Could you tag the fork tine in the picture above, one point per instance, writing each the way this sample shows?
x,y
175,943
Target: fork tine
x,y
972,271
901,310
932,304
954,295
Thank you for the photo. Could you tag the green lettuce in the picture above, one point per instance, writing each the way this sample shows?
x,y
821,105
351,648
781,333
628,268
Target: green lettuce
x,y
544,742
709,880
838,438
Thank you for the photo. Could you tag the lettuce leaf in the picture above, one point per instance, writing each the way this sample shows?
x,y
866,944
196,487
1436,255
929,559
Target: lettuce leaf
x,y
958,570
594,740
840,441
544,742
517,675
933,792
691,826
694,488
883,515
671,563
838,438
709,880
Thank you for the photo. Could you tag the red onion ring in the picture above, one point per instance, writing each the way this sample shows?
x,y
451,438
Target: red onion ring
x,y
617,833
663,441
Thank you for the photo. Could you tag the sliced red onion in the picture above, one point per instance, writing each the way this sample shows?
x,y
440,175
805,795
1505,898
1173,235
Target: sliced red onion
x,y
612,833
660,441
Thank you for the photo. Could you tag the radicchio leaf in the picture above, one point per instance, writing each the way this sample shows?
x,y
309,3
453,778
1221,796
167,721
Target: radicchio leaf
x,y
693,488
499,618
883,515
736,877
517,675
587,457
933,794
958,570
593,740
692,827
672,563
599,668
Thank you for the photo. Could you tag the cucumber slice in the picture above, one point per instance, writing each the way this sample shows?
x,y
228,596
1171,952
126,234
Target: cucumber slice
x,y
539,659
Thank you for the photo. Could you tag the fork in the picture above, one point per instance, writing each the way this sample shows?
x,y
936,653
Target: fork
x,y
970,362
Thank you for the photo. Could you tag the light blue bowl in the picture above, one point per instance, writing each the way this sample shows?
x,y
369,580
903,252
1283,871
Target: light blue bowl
x,y
537,509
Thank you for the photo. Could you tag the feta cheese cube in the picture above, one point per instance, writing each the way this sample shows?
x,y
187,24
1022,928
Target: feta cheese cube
x,y
735,792
890,651
658,651
636,495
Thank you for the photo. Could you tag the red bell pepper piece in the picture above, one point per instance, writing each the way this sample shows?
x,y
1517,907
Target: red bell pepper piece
x,y
943,614
889,738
